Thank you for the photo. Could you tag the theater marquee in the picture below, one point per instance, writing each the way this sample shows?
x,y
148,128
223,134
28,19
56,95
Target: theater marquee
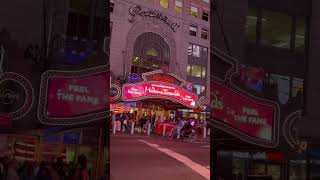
x,y
160,85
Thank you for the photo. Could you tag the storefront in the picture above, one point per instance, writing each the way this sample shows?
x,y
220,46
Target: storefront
x,y
157,94
69,144
270,164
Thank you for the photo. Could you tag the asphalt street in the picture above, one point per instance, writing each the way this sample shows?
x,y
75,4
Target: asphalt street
x,y
156,158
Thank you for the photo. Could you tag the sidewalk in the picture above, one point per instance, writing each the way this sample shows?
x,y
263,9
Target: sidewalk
x,y
135,135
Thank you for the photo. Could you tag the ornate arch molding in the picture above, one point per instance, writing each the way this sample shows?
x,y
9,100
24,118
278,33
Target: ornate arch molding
x,y
144,26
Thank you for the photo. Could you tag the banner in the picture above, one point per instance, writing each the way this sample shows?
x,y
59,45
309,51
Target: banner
x,y
242,113
74,97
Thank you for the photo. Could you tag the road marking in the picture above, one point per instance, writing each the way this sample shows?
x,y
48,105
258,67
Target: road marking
x,y
206,146
203,171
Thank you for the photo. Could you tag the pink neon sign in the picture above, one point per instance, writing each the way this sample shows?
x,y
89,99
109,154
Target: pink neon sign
x,y
76,96
134,92
242,113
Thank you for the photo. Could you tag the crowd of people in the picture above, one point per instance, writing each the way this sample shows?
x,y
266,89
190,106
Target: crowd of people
x,y
54,170
125,120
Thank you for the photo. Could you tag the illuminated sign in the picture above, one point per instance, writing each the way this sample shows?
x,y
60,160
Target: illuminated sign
x,y
242,113
139,91
115,92
16,95
74,97
137,10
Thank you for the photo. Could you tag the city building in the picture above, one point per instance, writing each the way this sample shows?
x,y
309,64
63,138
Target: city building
x,y
275,45
168,35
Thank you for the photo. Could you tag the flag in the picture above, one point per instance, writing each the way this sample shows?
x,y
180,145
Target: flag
x,y
25,150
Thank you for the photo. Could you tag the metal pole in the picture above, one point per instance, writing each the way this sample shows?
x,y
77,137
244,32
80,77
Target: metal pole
x,y
114,127
148,130
132,128
204,132
164,129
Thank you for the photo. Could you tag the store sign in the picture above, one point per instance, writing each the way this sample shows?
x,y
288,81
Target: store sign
x,y
163,77
242,113
247,155
71,137
137,10
16,95
271,156
134,92
115,92
74,98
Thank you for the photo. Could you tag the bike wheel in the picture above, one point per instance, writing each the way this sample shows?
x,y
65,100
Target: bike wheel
x,y
192,137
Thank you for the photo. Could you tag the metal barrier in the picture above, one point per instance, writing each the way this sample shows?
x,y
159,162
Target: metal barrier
x,y
114,127
132,128
164,130
148,128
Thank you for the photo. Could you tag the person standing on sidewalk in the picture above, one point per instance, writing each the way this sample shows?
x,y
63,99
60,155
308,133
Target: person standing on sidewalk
x,y
81,172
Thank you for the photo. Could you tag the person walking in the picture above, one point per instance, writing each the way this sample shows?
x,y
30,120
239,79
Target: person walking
x,y
43,173
179,126
12,173
81,172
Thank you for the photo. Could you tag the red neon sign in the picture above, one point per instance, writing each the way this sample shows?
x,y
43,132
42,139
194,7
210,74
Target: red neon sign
x,y
242,113
134,92
163,78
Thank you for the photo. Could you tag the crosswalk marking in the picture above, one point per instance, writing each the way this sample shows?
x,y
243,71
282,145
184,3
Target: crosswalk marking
x,y
202,170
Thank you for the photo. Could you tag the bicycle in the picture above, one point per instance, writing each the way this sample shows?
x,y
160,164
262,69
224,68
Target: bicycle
x,y
190,137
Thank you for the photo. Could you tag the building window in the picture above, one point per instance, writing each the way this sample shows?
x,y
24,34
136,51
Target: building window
x,y
164,3
198,51
251,25
193,11
195,50
100,28
81,6
200,89
297,171
283,87
196,71
205,15
204,34
151,52
111,5
193,30
78,25
276,29
300,33
297,87
178,6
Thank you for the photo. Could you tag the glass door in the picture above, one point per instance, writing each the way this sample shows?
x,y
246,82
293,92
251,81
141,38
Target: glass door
x,y
238,169
274,170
